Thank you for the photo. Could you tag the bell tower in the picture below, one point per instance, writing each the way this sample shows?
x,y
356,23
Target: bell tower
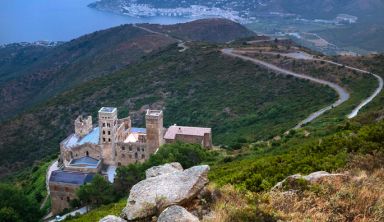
x,y
108,128
155,129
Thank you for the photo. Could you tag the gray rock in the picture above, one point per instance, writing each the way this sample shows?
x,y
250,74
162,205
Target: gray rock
x,y
311,178
176,214
153,194
111,218
163,169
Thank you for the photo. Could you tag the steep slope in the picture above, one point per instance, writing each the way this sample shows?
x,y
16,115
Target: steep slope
x,y
32,74
198,87
53,70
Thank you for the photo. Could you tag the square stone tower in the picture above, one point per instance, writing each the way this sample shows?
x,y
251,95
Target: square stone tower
x,y
108,128
155,130
83,125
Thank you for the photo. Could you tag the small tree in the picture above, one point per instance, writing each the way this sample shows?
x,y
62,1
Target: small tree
x,y
96,193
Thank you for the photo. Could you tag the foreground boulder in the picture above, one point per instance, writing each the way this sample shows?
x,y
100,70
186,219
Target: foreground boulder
x,y
151,195
176,214
164,169
111,218
310,178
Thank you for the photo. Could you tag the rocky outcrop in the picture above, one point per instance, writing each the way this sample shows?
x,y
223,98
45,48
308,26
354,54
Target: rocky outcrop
x,y
164,169
111,218
310,178
176,214
153,194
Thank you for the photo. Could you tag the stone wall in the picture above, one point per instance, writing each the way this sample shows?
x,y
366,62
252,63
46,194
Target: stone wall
x,y
61,195
83,125
190,139
128,153
155,129
208,140
123,129
205,141
91,150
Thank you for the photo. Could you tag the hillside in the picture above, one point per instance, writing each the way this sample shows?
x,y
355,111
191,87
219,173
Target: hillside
x,y
251,110
31,74
362,35
54,70
207,30
242,183
199,87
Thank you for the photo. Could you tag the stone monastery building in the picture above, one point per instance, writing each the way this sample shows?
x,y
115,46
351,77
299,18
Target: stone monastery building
x,y
114,142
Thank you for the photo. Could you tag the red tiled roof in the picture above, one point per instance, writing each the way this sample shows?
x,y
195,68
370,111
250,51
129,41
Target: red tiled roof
x,y
185,130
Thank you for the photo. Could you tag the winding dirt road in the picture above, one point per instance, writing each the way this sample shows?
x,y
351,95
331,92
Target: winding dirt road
x,y
343,94
366,101
305,56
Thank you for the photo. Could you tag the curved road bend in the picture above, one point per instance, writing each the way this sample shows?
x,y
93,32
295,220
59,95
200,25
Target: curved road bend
x,y
343,94
306,56
367,100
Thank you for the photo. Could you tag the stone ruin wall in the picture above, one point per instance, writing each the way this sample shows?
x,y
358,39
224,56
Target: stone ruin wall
x,y
129,153
94,151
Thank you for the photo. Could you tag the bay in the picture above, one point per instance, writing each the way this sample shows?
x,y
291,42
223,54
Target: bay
x,y
60,20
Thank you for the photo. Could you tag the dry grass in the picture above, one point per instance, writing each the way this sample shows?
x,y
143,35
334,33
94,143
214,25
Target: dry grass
x,y
233,205
356,197
360,197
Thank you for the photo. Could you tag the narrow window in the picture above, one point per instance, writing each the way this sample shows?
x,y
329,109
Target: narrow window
x,y
103,124
109,132
103,132
109,139
138,149
103,139
142,156
122,148
136,156
87,153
